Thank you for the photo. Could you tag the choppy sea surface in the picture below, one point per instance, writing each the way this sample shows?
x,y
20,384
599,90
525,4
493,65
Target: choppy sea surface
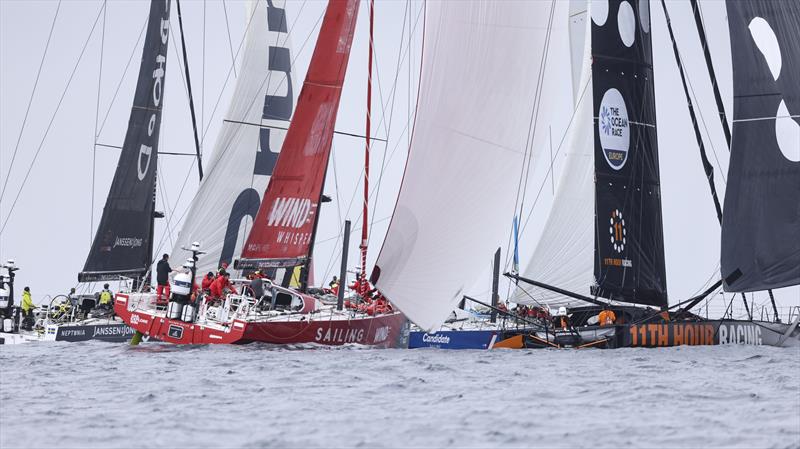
x,y
155,395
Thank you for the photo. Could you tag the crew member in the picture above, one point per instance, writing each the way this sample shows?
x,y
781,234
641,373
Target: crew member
x,y
162,278
221,285
207,281
606,317
561,319
107,298
27,309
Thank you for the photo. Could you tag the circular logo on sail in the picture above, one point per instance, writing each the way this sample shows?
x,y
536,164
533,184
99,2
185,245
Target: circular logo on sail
x,y
617,231
615,137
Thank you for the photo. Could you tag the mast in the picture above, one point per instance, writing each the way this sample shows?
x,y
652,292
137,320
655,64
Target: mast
x,y
189,89
710,66
364,231
707,167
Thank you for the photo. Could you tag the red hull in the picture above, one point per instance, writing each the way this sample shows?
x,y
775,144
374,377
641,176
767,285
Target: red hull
x,y
382,331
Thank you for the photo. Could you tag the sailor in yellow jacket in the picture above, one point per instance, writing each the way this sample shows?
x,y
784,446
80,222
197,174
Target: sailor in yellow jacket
x,y
27,309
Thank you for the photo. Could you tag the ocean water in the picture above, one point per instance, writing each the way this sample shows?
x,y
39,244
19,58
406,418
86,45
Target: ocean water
x,y
112,395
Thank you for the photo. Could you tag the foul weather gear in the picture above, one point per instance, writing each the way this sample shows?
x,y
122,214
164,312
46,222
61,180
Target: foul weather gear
x,y
162,272
27,302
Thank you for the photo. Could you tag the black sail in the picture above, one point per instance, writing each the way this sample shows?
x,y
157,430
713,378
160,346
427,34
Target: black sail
x,y
122,244
629,241
761,217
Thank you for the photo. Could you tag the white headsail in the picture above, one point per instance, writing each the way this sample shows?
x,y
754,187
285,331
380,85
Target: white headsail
x,y
246,148
564,253
480,65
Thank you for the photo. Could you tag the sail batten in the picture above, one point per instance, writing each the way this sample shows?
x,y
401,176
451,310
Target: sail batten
x,y
123,242
285,223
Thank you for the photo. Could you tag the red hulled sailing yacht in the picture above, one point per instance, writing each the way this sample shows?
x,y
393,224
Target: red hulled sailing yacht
x,y
282,237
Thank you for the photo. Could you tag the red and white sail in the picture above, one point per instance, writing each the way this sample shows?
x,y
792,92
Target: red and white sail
x,y
284,226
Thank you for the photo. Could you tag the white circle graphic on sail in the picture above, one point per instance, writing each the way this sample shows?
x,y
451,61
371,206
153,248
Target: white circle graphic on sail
x,y
787,130
626,23
644,15
614,129
599,12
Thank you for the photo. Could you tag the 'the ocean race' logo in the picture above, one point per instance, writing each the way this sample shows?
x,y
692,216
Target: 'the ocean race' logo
x,y
614,129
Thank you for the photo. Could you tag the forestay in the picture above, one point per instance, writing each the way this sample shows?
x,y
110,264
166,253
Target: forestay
x,y
761,217
248,143
480,64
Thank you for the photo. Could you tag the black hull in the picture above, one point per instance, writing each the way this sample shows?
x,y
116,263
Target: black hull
x,y
655,335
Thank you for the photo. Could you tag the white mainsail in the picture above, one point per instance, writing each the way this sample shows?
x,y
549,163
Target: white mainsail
x,y
564,253
244,153
480,65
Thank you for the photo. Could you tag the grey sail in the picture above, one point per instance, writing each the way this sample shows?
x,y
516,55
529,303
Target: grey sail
x,y
122,245
761,216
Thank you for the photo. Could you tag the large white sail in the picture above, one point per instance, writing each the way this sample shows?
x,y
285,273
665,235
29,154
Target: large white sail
x,y
480,65
245,153
564,253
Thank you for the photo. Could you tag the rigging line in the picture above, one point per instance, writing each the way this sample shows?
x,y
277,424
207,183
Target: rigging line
x,y
96,119
164,200
30,100
231,69
522,184
269,72
338,207
122,78
393,94
224,150
230,41
50,124
197,144
202,72
266,78
355,191
537,106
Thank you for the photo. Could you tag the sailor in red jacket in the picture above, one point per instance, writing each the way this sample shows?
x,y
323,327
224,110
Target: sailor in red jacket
x,y
221,284
207,281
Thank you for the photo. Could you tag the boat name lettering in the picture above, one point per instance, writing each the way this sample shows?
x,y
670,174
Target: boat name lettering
x,y
294,238
339,335
112,330
741,334
146,151
291,212
436,338
72,332
673,334
130,242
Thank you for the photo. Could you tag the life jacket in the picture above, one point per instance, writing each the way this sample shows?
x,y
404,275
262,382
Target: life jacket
x,y
105,297
606,318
